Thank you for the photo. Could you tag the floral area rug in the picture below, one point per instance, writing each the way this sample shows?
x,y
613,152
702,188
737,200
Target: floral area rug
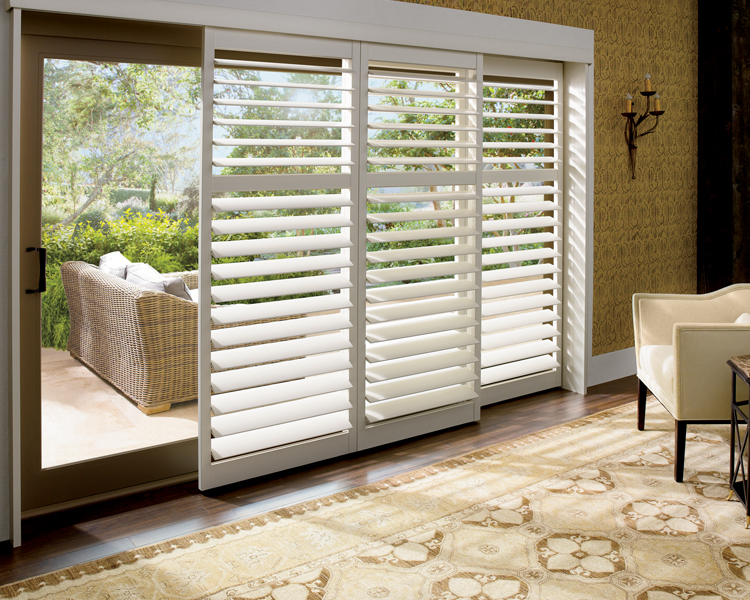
x,y
585,510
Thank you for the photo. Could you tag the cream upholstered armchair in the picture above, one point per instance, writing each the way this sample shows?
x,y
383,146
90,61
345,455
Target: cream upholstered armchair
x,y
682,345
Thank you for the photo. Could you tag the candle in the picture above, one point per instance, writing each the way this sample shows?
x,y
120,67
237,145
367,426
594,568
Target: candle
x,y
647,83
628,103
657,103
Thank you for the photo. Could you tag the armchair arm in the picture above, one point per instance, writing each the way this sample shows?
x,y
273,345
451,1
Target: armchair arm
x,y
167,328
702,377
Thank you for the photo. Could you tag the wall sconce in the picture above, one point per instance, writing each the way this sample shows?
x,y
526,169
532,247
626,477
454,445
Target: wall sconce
x,y
632,123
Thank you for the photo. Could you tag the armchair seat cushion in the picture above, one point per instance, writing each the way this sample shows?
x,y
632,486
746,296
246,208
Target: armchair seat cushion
x,y
657,366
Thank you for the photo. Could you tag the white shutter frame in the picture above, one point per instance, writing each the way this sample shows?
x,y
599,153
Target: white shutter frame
x,y
521,196
280,390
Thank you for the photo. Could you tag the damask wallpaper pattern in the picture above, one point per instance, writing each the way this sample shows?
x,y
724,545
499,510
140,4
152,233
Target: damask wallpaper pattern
x,y
644,229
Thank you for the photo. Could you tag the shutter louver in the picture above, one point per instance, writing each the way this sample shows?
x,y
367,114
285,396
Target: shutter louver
x,y
422,240
281,255
521,225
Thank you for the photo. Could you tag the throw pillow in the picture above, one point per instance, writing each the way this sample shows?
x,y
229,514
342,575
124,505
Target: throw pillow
x,y
176,286
744,318
114,263
144,275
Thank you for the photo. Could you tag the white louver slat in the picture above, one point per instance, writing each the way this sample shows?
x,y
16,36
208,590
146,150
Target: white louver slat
x,y
422,239
257,268
278,435
431,380
419,364
275,414
522,222
237,313
281,254
416,403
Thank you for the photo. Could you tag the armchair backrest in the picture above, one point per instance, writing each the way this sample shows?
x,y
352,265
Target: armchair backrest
x,y
654,315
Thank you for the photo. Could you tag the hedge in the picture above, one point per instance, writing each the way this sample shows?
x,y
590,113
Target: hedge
x,y
122,194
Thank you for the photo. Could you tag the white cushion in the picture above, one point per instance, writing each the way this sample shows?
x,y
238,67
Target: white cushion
x,y
744,318
194,294
114,263
658,364
144,275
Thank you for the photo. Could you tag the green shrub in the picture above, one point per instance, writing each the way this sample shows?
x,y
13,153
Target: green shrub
x,y
53,214
95,217
167,203
122,194
128,209
55,317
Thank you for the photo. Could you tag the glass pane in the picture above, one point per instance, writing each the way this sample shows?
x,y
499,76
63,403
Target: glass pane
x,y
120,174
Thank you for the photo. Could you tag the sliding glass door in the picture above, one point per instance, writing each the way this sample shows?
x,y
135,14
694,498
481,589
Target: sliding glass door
x,y
84,341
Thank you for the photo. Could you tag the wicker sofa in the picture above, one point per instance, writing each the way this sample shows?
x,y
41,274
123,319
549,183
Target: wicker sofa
x,y
143,342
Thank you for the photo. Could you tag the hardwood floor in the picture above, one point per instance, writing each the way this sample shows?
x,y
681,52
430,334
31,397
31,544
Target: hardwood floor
x,y
62,539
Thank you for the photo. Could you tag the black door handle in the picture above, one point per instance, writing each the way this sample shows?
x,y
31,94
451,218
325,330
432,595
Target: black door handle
x,y
42,270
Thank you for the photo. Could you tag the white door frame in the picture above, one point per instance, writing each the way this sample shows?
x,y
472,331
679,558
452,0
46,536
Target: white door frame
x,y
380,21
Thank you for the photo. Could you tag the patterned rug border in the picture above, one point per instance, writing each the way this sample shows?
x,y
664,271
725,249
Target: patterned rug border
x,y
129,557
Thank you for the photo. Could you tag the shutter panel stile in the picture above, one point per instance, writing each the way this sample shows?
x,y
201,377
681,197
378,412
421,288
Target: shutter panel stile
x,y
423,244
521,227
281,348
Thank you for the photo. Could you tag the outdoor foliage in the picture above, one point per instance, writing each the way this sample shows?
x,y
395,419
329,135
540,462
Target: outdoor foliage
x,y
121,194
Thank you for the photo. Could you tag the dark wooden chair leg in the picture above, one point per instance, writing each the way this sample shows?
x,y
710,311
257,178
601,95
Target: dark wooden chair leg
x,y
642,392
680,431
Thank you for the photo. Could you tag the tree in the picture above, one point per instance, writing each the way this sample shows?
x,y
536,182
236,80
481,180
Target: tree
x,y
99,123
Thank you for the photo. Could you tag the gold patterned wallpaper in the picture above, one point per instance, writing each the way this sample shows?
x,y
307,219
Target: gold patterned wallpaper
x,y
644,229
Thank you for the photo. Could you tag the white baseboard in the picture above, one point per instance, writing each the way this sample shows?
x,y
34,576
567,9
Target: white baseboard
x,y
611,366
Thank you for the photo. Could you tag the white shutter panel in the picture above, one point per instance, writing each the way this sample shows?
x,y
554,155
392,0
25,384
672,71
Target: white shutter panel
x,y
521,223
423,245
277,244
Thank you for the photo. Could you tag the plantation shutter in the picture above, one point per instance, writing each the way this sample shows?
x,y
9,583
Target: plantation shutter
x,y
420,143
277,348
521,226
